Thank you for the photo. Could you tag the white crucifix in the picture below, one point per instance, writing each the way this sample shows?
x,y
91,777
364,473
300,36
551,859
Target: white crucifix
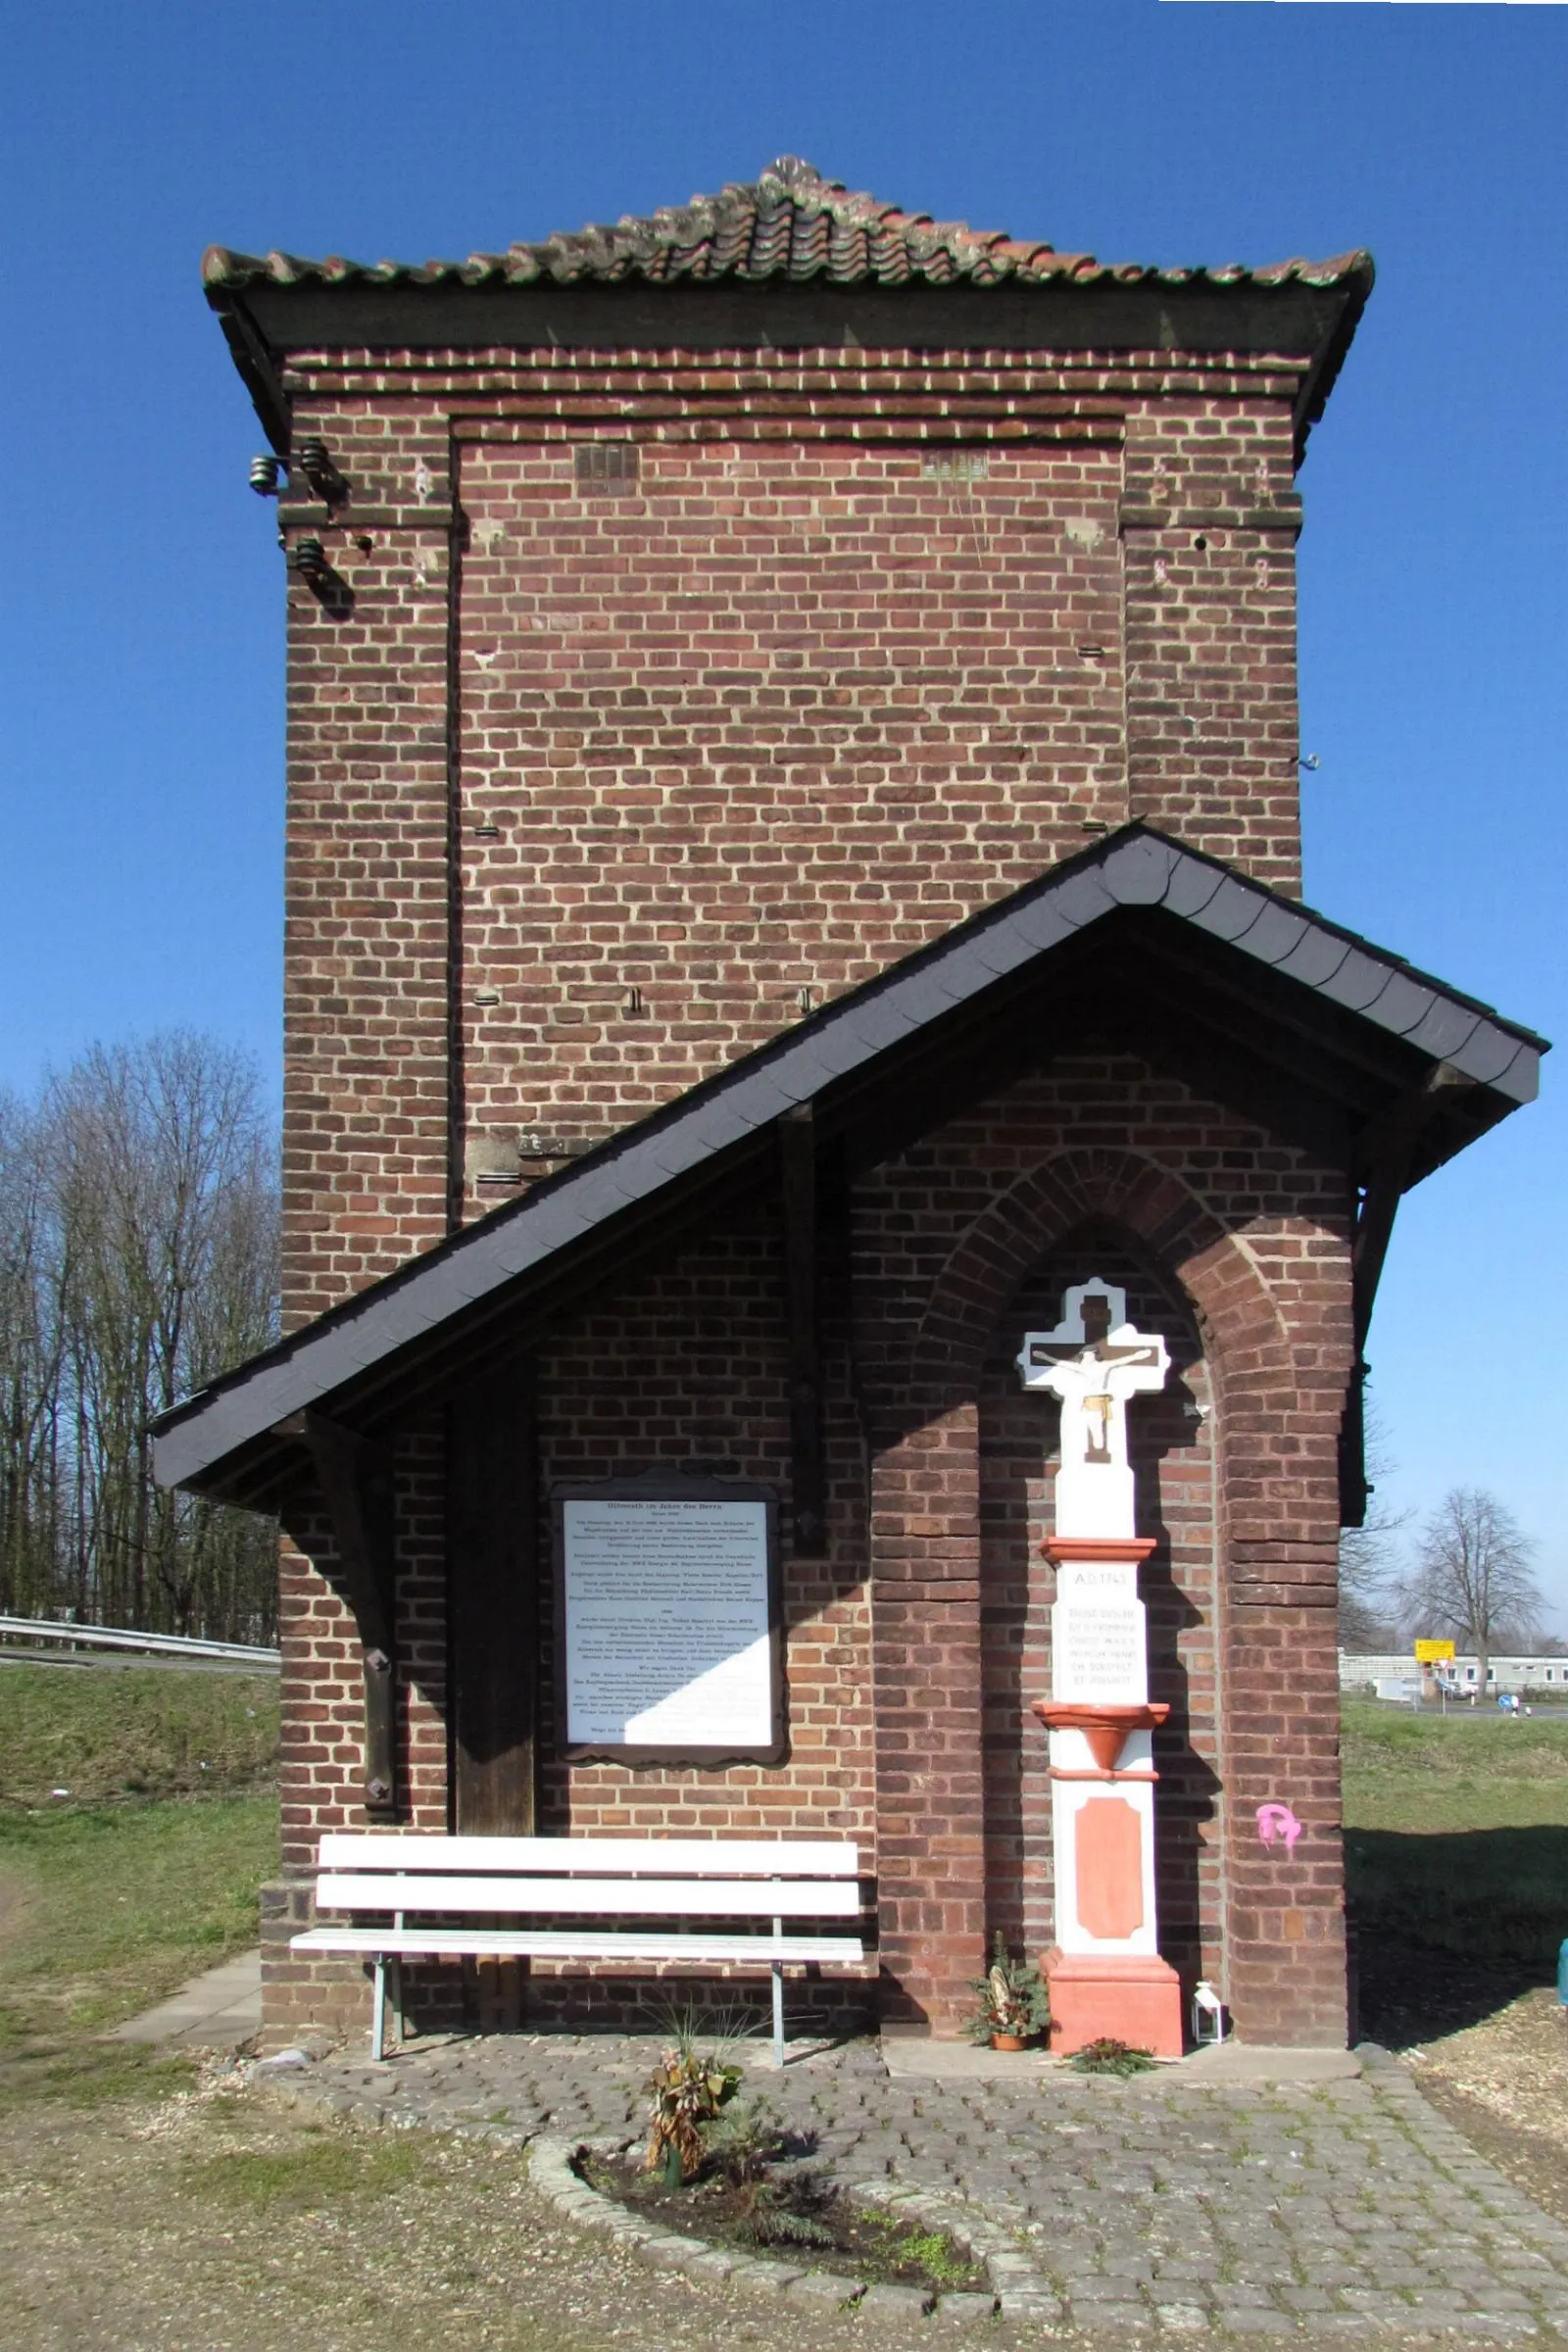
x,y
1094,1362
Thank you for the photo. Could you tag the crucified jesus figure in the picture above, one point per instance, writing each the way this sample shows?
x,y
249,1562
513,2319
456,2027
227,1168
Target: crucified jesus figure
x,y
1094,1362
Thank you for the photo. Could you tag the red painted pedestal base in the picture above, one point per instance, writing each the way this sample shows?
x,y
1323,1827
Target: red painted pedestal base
x,y
1136,2001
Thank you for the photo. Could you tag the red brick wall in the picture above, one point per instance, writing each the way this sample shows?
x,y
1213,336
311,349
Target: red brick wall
x,y
1209,550
686,1369
878,637
758,732
914,1648
322,1762
366,1069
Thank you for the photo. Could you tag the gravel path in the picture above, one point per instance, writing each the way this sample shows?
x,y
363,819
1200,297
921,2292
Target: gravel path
x,y
1505,2081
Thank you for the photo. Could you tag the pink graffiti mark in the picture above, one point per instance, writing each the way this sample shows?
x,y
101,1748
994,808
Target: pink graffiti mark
x,y
1278,1821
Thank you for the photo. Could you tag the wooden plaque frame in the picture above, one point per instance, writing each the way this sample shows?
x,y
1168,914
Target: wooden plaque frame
x,y
671,1487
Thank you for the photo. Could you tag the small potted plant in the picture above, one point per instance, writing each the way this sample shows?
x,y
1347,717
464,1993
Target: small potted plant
x,y
1014,2004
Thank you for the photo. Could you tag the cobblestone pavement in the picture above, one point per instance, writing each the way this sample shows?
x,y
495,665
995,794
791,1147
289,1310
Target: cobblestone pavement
x,y
1320,2208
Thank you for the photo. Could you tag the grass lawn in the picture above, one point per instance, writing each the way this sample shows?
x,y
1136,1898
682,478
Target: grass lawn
x,y
1456,1862
133,1732
112,1897
1460,1770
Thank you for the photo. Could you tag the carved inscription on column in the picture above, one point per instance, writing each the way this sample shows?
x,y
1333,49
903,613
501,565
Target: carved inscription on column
x,y
1098,1641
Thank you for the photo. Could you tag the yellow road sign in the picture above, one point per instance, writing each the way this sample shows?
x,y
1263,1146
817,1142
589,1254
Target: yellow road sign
x,y
1429,1653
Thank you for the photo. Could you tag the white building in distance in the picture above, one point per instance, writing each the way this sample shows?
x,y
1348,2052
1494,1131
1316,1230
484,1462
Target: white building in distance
x,y
1394,1674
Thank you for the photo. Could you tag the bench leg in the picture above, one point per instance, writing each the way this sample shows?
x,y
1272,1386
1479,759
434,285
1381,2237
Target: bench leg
x,y
778,2015
378,2011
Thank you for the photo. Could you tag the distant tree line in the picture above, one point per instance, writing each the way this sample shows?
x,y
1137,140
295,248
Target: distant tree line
x,y
138,1258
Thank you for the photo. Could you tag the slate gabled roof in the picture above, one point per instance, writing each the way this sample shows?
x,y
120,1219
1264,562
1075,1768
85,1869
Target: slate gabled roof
x,y
1134,870
788,223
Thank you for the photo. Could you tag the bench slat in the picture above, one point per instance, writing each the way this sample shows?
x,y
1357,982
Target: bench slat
x,y
543,1944
692,1899
583,1857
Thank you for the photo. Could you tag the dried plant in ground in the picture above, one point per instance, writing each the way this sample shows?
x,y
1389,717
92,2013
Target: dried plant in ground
x,y
687,2090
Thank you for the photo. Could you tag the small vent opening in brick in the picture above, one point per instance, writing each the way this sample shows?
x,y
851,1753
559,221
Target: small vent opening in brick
x,y
607,468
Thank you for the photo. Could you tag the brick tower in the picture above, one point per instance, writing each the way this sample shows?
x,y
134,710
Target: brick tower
x,y
789,641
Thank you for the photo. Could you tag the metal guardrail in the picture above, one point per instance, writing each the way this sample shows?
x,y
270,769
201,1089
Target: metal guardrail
x,y
117,1637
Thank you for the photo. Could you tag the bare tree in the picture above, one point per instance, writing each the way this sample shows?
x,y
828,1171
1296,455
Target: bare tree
x,y
1471,1577
32,1339
138,1258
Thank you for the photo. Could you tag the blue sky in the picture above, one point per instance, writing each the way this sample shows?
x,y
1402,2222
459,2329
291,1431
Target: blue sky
x,y
142,761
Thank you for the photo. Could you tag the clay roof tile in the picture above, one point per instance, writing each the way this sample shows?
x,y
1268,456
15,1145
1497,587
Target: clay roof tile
x,y
789,222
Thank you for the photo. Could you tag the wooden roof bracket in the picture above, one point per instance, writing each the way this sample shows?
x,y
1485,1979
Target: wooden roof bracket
x,y
1385,1149
256,362
355,1476
798,1182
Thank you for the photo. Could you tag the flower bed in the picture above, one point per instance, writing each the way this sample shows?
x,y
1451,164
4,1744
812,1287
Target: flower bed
x,y
787,2208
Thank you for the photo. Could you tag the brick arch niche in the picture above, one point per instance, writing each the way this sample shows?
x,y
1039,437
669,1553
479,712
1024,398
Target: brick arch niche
x,y
1147,1203
1240,1250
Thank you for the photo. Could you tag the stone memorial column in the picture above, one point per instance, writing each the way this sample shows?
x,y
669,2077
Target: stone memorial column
x,y
1105,1973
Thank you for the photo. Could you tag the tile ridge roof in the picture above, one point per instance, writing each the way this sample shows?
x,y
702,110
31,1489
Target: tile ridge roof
x,y
790,223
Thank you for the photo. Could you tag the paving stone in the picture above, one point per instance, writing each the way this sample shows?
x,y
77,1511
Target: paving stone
x,y
964,2309
1373,2303
825,2287
1294,2196
890,2302
713,2265
771,2277
671,2253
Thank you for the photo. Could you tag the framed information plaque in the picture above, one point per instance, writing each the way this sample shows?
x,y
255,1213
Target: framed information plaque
x,y
669,1621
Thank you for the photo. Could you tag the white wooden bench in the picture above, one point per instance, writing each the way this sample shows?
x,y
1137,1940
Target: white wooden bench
x,y
444,1881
